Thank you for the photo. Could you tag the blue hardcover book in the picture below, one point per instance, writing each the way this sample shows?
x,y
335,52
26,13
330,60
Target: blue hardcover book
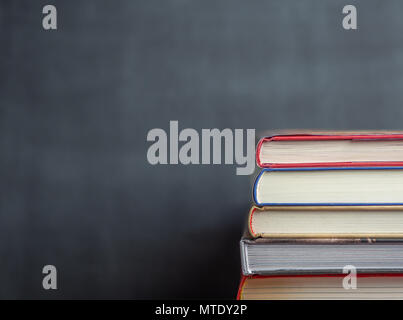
x,y
329,186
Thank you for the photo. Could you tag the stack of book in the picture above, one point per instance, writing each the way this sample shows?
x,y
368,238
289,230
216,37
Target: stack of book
x,y
329,206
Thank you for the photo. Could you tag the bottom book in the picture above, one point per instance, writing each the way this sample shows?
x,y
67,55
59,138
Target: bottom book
x,y
321,287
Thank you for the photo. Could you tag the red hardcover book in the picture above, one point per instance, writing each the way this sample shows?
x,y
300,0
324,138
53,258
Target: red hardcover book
x,y
330,149
321,287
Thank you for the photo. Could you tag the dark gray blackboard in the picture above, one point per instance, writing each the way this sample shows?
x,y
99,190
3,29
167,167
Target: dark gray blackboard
x,y
76,190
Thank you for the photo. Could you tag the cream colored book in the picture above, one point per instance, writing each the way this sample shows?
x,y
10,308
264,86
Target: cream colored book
x,y
330,186
307,148
326,221
368,287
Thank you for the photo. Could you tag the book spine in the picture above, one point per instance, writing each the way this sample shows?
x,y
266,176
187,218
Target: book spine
x,y
250,222
240,288
244,258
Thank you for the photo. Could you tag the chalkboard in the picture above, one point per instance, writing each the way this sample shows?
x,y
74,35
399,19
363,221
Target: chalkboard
x,y
76,104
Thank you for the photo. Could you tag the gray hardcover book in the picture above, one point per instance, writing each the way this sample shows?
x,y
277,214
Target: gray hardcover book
x,y
320,256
